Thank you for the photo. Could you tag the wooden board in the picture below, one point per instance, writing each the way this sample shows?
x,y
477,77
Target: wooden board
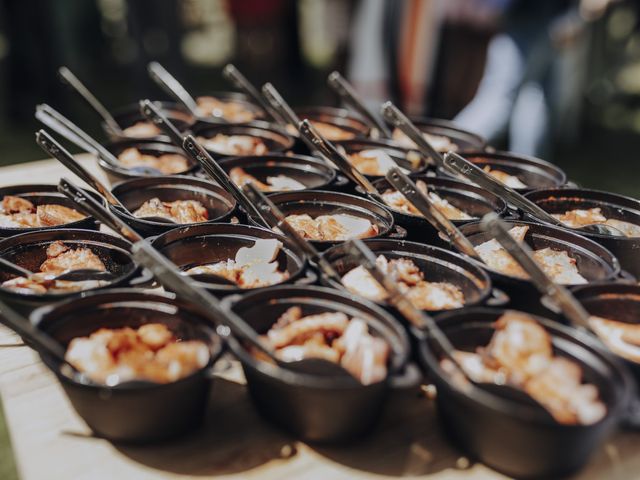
x,y
51,442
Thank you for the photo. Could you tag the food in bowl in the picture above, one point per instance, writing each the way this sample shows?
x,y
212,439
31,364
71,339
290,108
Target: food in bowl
x,y
235,112
398,201
410,280
234,144
252,267
142,129
167,163
151,352
18,212
278,183
332,336
557,264
511,181
180,211
335,227
520,354
441,143
579,218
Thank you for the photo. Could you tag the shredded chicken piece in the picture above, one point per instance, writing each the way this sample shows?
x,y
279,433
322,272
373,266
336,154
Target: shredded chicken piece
x,y
60,259
622,338
152,352
180,211
373,161
509,180
440,142
332,227
142,129
578,218
235,112
332,336
397,200
279,183
17,212
252,267
234,144
521,354
167,163
410,280
557,264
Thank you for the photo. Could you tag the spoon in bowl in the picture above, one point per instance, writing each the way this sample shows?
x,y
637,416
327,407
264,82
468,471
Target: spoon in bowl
x,y
461,166
343,88
69,130
425,324
77,275
238,80
71,80
57,151
173,87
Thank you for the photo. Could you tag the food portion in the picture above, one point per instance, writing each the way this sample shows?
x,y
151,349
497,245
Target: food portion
x,y
235,112
579,218
279,183
398,201
234,144
520,354
336,227
168,163
509,180
557,264
253,267
409,280
621,338
142,129
329,131
331,336
60,259
180,211
150,353
440,142
17,212
373,161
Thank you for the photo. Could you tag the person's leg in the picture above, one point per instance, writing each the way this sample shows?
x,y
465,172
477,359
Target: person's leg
x,y
489,112
529,126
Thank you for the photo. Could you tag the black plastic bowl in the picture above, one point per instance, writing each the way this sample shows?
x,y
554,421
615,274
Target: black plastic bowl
x,y
613,206
437,264
511,438
274,139
117,173
130,114
135,413
463,139
29,251
315,408
189,247
595,263
313,173
531,171
471,199
133,193
320,202
42,195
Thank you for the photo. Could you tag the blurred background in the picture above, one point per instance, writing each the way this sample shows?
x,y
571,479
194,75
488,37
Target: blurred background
x,y
553,78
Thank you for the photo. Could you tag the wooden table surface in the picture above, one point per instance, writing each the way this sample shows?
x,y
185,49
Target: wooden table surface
x,y
51,441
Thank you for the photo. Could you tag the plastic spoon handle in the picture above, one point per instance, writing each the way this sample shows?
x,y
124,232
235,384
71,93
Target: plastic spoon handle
x,y
170,277
172,86
237,79
70,79
92,207
425,206
155,115
57,151
329,150
343,88
65,127
42,342
279,104
215,171
522,254
402,122
461,166
276,218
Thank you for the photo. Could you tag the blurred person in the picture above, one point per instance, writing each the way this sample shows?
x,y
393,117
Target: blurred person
x,y
515,93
